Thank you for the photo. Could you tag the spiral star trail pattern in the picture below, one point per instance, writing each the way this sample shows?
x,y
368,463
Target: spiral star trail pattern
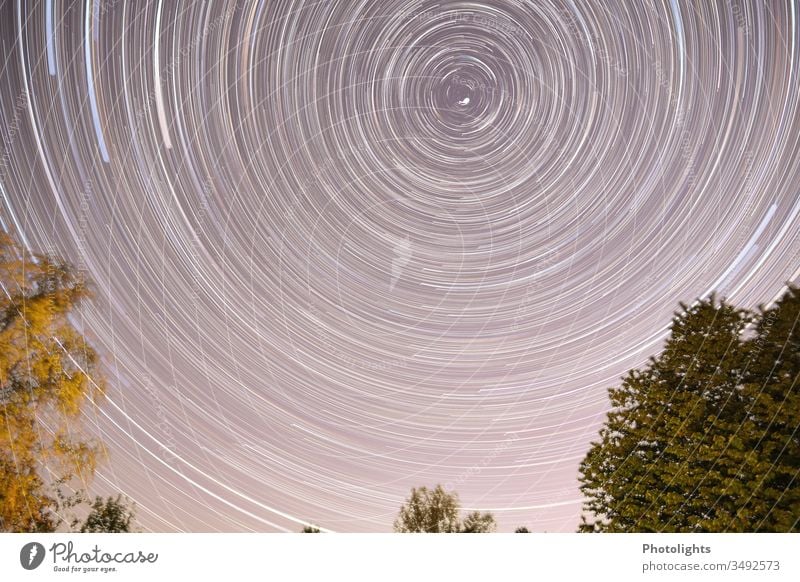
x,y
345,248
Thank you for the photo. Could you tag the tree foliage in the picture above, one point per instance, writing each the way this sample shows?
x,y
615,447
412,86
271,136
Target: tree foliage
x,y
437,511
109,516
705,437
477,522
429,511
771,429
47,379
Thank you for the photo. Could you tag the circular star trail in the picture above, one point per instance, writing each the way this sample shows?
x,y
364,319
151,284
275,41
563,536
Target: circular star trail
x,y
345,248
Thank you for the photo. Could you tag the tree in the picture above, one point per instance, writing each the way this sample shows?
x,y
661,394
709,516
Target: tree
x,y
429,511
437,511
48,378
477,522
109,516
310,529
522,529
770,433
667,458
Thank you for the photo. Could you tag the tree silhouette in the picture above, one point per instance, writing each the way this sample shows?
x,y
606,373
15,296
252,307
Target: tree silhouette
x,y
704,438
477,522
430,511
109,516
769,435
437,511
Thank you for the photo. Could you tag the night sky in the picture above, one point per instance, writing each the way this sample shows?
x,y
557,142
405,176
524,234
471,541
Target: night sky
x,y
345,248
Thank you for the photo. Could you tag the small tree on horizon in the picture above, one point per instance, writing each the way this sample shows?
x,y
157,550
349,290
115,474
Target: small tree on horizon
x,y
429,511
437,511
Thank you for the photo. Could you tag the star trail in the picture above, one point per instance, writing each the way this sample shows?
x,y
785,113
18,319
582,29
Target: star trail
x,y
344,248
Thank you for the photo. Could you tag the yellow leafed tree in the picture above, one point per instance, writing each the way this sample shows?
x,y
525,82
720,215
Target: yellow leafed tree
x,y
48,379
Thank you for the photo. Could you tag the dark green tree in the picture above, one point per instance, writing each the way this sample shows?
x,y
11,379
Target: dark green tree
x,y
668,458
109,516
522,529
771,430
310,529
